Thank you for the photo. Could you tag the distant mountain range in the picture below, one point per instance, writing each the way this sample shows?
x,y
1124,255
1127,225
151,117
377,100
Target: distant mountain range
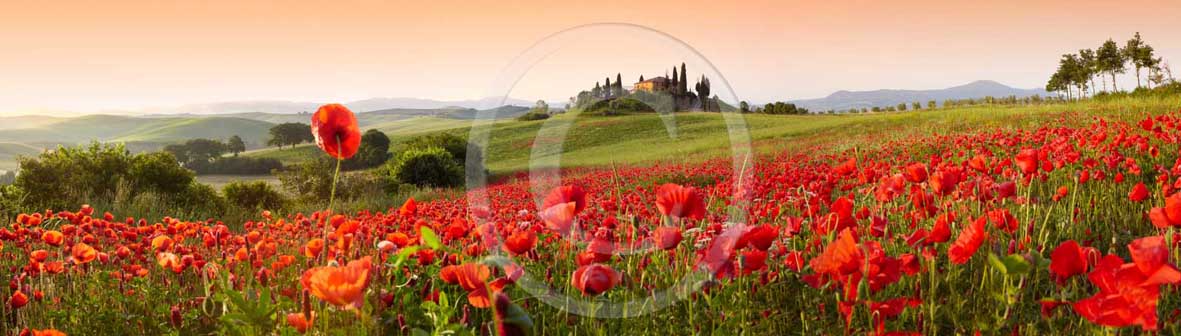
x,y
371,104
22,135
845,100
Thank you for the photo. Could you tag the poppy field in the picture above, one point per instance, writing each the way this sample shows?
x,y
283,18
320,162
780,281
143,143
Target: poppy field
x,y
1056,227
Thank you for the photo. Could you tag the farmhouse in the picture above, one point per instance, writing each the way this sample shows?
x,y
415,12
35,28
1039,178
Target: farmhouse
x,y
655,84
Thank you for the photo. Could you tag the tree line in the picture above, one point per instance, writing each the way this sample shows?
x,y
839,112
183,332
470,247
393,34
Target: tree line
x,y
1076,74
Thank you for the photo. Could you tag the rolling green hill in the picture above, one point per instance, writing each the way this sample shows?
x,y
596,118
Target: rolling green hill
x,y
638,138
9,151
253,132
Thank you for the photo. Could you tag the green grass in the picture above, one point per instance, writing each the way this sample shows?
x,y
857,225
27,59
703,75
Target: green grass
x,y
641,138
178,130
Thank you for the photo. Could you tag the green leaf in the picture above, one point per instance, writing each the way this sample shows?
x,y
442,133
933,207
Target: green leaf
x,y
1016,264
1013,264
996,263
429,238
404,254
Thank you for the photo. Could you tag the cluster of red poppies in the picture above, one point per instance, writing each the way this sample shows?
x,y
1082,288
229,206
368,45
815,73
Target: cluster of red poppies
x,y
866,224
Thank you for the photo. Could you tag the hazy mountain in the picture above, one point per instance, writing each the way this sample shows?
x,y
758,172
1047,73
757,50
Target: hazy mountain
x,y
280,106
845,100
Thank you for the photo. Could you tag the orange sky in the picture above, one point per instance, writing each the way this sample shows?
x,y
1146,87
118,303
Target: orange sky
x,y
94,55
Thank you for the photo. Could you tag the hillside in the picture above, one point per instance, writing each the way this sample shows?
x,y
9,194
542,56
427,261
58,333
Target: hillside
x,y
294,107
10,151
134,129
253,132
845,100
640,138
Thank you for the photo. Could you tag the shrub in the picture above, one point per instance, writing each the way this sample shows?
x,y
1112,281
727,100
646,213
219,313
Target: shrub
x,y
312,181
253,195
533,115
374,151
455,145
619,106
69,176
237,166
158,172
433,167
198,198
10,202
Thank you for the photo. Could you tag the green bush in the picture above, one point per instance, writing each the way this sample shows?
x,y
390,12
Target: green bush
x,y
199,199
311,181
619,106
239,165
455,145
10,202
427,167
373,152
253,195
158,172
532,115
69,176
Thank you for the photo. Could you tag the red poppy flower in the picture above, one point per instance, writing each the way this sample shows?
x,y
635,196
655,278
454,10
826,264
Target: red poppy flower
x,y
336,132
594,279
968,242
18,300
170,261
408,209
1138,193
566,194
1151,257
761,237
520,242
342,286
83,253
840,257
473,277
559,217
941,232
667,237
313,247
300,322
916,172
53,238
48,332
1126,297
1067,260
1169,215
680,202
1027,161
753,260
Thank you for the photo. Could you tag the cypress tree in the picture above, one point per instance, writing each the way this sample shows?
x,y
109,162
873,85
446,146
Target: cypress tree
x,y
684,86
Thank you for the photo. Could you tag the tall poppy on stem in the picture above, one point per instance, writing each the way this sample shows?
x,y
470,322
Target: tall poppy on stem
x,y
336,132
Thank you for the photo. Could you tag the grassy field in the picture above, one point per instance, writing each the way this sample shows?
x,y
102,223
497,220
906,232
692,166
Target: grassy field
x,y
942,222
178,130
629,139
219,181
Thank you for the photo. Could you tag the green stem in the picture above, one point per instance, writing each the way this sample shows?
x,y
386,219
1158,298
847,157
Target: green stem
x,y
331,202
